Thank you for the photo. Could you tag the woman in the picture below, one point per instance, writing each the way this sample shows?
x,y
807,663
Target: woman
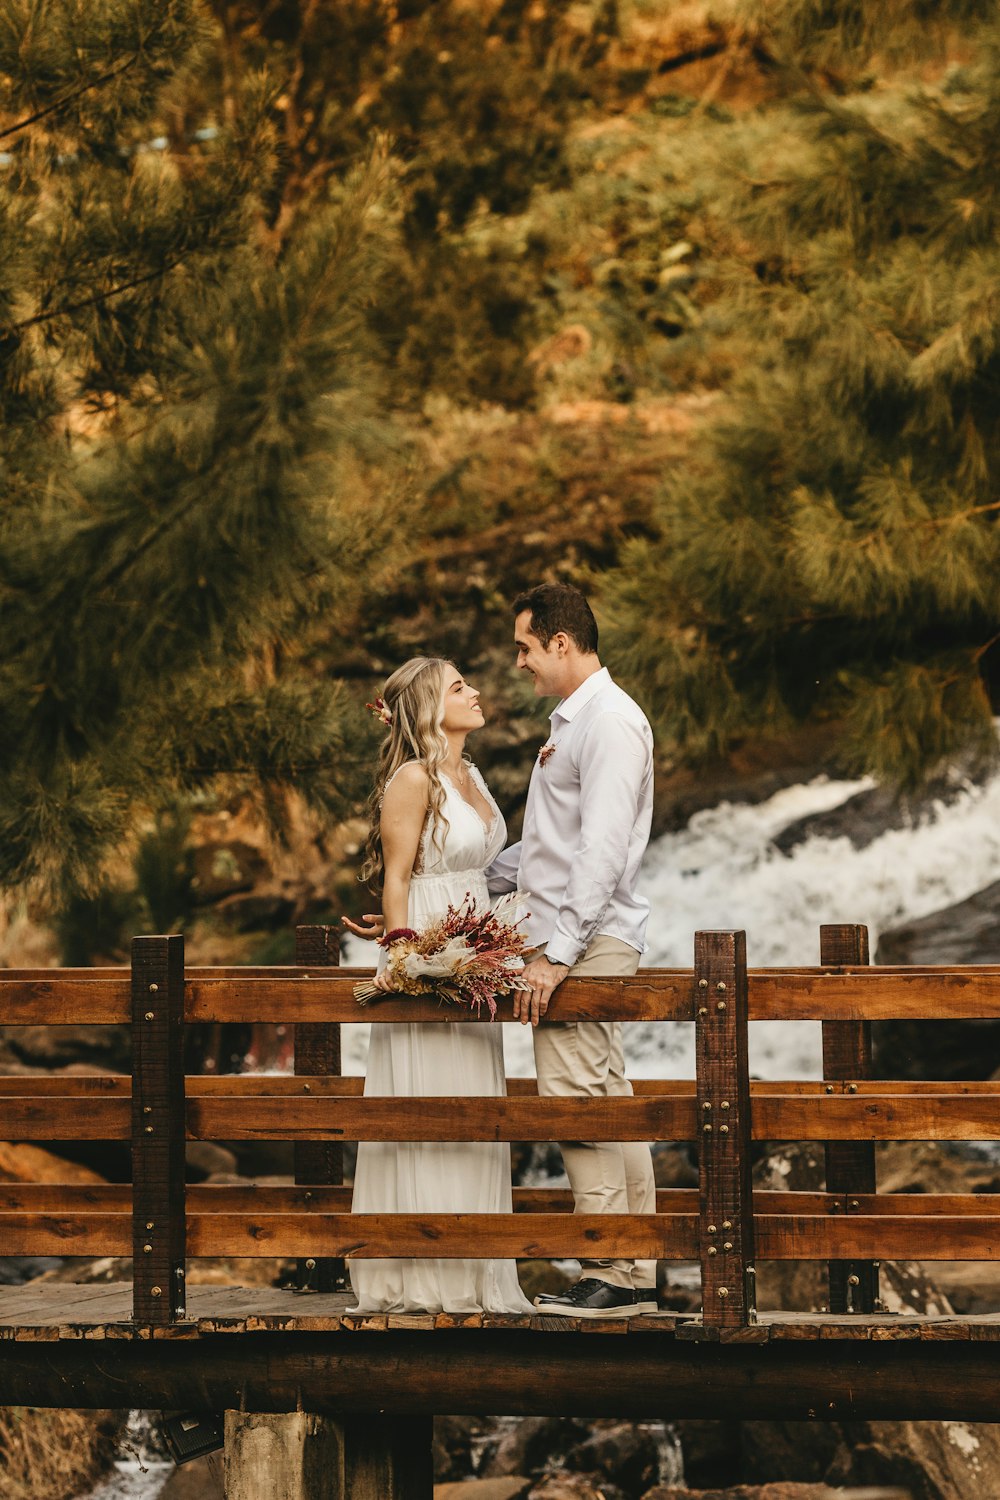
x,y
434,829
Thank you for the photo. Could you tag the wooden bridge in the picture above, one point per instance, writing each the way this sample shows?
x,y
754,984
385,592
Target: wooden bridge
x,y
366,1386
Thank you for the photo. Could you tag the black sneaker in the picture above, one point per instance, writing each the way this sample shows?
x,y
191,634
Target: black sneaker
x,y
591,1298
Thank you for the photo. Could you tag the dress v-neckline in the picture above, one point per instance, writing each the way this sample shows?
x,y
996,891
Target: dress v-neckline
x,y
487,827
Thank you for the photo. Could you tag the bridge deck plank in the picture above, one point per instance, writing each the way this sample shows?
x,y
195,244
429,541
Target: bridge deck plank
x,y
42,1312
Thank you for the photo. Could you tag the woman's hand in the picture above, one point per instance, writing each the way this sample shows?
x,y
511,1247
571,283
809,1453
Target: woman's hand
x,y
371,927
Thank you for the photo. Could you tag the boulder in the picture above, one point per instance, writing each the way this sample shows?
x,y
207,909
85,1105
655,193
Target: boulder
x,y
626,1453
529,1445
538,1276
779,1491
452,1446
107,1048
201,1479
867,815
710,1452
966,933
929,1460
673,1166
575,1487
20,1162
511,1488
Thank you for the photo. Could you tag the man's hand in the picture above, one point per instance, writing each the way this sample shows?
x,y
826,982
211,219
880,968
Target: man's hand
x,y
371,926
544,979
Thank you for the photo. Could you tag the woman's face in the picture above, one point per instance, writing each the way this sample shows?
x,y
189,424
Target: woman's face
x,y
460,704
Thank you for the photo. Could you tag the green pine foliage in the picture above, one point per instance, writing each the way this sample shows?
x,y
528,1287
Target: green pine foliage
x,y
189,413
831,549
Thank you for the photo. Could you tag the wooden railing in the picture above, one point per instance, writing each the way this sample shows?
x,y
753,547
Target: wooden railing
x,y
723,1224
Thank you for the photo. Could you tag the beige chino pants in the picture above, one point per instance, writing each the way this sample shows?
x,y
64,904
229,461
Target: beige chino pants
x,y
585,1058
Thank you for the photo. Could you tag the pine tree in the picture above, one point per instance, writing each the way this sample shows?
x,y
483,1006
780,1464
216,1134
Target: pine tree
x,y
188,410
476,102
830,551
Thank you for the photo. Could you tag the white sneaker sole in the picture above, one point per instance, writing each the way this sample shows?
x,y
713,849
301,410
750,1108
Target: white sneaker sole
x,y
567,1310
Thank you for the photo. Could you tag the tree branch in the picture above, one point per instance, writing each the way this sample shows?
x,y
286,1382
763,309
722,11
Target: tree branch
x,y
52,109
72,307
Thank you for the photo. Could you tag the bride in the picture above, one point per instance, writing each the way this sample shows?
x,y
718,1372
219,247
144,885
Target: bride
x,y
434,829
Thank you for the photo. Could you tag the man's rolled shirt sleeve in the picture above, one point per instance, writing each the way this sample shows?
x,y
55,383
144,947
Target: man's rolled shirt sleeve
x,y
613,765
501,875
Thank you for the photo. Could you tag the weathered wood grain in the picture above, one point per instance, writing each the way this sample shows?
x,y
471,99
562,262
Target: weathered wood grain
x,y
240,1114
879,1237
875,995
452,1236
871,1117
317,1052
441,1118
816,994
157,1128
850,1165
83,1233
631,998
70,1198
51,1117
726,1228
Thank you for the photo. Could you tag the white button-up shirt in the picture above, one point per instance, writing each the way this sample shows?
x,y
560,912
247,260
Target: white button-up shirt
x,y
586,825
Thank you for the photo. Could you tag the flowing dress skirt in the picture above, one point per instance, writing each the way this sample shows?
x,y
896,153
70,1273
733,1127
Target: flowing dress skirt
x,y
432,1176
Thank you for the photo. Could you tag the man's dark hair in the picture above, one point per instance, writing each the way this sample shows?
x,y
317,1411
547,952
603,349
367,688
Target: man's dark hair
x,y
559,607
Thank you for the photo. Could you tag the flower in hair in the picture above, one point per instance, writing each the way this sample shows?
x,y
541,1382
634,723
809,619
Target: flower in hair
x,y
381,710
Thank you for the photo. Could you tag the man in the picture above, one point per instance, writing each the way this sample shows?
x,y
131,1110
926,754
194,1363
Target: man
x,y
586,826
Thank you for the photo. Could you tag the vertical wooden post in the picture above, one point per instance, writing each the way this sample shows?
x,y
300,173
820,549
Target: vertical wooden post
x,y
850,1165
317,1053
723,1094
299,1456
158,1129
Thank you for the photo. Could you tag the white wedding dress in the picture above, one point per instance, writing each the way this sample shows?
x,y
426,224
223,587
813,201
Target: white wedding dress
x,y
439,1058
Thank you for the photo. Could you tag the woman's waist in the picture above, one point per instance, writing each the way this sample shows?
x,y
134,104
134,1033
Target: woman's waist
x,y
474,873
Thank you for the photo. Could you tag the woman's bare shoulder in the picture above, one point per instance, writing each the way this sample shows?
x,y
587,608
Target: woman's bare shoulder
x,y
407,786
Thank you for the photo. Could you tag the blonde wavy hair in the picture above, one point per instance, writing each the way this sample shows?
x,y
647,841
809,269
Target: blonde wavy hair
x,y
414,695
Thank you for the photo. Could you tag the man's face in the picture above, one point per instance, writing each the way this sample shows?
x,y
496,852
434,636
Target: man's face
x,y
546,664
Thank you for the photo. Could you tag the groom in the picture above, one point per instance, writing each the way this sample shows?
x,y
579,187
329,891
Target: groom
x,y
586,826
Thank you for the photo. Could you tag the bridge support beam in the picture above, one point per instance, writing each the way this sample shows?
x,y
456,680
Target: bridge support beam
x,y
302,1456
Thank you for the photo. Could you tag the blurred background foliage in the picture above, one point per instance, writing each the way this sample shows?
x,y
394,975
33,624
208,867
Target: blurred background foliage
x,y
323,328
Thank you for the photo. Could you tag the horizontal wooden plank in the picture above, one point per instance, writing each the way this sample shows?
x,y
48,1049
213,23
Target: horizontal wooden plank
x,y
285,994
330,998
254,1085
925,1205
96,1197
64,1002
449,1236
668,1236
87,1234
58,1118
878,1237
66,1198
41,1086
371,1236
427,1118
874,994
864,1117
39,1114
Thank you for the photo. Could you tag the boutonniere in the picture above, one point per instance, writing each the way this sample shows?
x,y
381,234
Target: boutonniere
x,y
545,752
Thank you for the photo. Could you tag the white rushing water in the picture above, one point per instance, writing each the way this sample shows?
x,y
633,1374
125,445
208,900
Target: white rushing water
x,y
141,1467
723,871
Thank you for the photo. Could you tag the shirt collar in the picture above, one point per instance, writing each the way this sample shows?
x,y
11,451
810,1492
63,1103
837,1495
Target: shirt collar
x,y
569,707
